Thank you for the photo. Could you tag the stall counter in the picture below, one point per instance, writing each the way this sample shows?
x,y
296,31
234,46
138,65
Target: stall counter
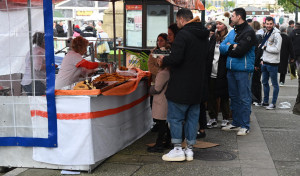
x,y
90,129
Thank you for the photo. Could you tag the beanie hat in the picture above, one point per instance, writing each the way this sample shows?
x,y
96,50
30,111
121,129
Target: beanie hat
x,y
224,20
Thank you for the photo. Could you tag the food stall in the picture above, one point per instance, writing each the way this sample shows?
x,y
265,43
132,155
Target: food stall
x,y
64,129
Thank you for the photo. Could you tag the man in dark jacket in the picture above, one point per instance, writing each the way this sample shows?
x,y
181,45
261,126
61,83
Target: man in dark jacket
x,y
185,88
89,31
286,54
239,45
60,30
295,37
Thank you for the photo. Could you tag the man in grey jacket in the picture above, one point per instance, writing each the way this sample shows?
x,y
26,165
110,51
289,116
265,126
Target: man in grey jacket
x,y
271,46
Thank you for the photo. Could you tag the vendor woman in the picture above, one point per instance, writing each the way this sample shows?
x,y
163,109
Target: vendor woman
x,y
74,66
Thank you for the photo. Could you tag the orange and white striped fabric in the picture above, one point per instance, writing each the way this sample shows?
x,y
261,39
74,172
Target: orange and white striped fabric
x,y
91,129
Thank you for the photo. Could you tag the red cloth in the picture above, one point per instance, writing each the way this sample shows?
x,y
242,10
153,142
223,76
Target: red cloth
x,y
87,64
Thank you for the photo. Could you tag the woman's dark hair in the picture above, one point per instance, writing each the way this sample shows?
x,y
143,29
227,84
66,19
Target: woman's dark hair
x,y
213,28
174,28
39,39
255,25
240,11
162,35
219,36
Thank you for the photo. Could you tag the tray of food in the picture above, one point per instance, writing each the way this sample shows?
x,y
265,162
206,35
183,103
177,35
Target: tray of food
x,y
124,71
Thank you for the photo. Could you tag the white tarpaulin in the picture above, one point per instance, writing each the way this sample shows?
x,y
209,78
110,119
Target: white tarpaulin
x,y
84,138
14,37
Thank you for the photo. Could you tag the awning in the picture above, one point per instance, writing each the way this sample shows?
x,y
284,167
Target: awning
x,y
12,4
190,4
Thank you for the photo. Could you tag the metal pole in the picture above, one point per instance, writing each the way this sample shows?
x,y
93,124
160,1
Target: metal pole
x,y
296,17
203,14
114,28
30,47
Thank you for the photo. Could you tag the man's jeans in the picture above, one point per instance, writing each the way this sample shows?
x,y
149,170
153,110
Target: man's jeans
x,y
179,113
270,71
239,87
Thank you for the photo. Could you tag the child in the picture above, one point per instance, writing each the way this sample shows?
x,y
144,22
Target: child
x,y
160,110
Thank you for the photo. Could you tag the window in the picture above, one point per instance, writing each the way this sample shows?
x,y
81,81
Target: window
x,y
134,25
158,19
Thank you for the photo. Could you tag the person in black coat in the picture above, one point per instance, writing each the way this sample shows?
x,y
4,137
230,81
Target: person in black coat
x,y
89,31
286,52
295,37
185,90
256,78
217,75
60,30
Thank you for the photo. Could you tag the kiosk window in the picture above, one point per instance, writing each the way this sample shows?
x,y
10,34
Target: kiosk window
x,y
134,25
158,19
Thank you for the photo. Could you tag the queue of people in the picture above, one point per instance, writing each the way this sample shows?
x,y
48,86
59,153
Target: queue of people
x,y
222,64
231,68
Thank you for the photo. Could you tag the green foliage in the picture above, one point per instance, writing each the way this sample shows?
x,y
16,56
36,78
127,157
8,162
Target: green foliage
x,y
140,60
287,5
228,5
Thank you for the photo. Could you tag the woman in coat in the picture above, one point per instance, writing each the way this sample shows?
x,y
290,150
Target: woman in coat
x,y
161,42
286,52
160,110
218,86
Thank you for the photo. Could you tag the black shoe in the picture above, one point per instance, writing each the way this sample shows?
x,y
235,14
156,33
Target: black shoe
x,y
155,128
265,104
168,146
201,134
155,149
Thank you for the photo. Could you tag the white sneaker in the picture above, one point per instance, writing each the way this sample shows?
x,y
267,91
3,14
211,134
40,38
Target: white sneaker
x,y
224,123
189,154
281,84
177,154
271,106
243,132
212,123
231,128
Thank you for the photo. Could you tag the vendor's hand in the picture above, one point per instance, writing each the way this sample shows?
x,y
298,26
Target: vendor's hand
x,y
235,45
160,60
102,64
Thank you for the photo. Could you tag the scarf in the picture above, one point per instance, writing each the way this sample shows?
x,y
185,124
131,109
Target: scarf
x,y
265,39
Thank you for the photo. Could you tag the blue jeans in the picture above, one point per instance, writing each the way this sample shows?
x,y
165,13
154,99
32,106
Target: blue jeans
x,y
239,88
270,71
177,114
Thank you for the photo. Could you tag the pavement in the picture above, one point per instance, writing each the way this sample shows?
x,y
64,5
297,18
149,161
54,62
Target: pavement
x,y
271,148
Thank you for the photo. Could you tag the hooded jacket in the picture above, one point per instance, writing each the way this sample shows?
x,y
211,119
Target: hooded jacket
x,y
242,57
271,54
295,37
187,61
89,32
